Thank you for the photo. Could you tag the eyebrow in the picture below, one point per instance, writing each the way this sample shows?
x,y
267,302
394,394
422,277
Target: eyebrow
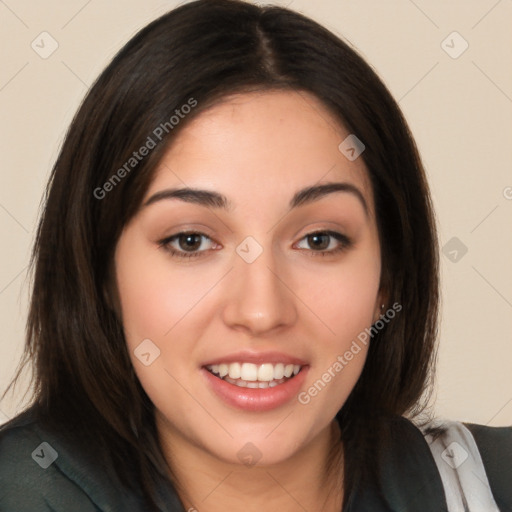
x,y
215,200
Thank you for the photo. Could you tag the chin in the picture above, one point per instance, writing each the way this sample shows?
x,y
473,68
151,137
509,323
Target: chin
x,y
267,446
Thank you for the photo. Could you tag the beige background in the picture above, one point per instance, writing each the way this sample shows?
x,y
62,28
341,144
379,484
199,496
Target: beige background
x,y
459,109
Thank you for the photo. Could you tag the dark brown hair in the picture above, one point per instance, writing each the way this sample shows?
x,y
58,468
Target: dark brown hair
x,y
205,51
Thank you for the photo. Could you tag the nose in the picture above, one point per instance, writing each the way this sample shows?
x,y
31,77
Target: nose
x,y
259,300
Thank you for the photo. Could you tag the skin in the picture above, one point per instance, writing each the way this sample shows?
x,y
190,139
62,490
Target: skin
x,y
258,149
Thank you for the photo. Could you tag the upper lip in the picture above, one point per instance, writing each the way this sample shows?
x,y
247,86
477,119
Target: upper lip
x,y
256,358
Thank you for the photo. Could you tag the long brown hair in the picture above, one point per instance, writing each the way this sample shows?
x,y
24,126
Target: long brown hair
x,y
204,51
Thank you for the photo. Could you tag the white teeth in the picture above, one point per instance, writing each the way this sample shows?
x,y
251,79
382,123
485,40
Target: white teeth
x,y
254,385
267,373
234,371
223,370
248,372
279,371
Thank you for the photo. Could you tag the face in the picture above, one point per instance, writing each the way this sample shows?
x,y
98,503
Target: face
x,y
250,269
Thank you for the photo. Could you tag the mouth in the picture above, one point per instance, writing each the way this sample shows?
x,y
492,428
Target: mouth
x,y
255,376
263,384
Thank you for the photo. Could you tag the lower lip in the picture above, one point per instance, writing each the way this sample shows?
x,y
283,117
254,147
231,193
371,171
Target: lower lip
x,y
257,400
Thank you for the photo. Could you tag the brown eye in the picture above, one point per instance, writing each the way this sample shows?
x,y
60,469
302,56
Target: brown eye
x,y
319,241
324,242
187,244
189,241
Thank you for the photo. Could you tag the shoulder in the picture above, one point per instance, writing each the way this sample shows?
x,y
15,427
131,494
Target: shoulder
x,y
495,447
408,473
42,472
29,478
496,441
474,462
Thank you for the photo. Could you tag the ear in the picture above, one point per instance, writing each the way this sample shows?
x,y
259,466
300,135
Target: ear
x,y
378,310
111,295
381,304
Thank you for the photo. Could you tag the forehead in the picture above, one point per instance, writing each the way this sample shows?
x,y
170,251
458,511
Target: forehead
x,y
270,142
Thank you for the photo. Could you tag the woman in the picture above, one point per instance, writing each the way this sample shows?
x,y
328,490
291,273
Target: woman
x,y
236,289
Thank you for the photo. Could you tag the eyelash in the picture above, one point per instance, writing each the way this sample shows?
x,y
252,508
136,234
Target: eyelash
x,y
344,243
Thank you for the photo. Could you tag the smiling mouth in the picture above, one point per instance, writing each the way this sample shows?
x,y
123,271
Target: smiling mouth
x,y
255,376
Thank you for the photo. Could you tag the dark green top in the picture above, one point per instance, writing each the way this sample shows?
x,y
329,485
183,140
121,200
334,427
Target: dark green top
x,y
42,473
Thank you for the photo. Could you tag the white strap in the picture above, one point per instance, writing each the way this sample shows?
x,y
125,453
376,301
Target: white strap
x,y
461,468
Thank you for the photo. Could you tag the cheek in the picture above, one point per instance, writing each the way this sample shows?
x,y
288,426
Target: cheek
x,y
153,304
163,313
345,299
153,300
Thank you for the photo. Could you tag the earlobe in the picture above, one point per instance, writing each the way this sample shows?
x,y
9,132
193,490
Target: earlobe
x,y
111,298
381,302
382,297
379,310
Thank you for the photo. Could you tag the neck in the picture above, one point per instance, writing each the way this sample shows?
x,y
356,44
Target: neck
x,y
305,481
